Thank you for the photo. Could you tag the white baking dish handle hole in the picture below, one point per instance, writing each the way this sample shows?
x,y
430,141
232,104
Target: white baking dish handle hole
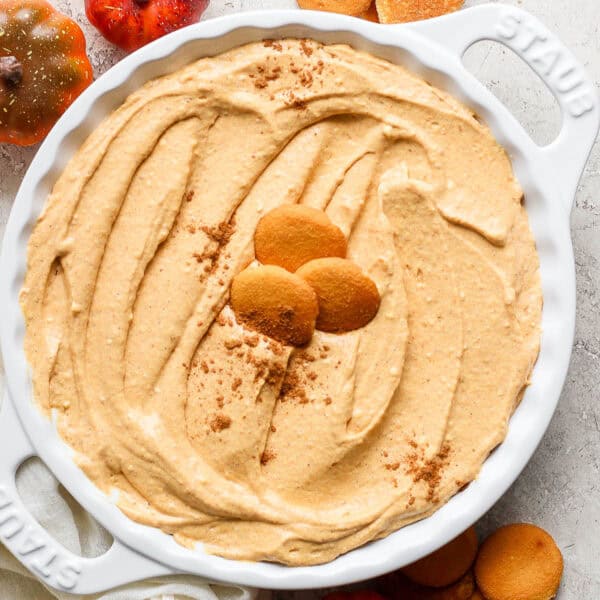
x,y
36,549
518,87
562,161
58,512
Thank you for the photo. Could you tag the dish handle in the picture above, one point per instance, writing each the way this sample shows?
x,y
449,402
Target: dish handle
x,y
36,549
565,157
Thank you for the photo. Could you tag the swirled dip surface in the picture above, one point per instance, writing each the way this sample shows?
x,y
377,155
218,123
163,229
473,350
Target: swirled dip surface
x,y
217,434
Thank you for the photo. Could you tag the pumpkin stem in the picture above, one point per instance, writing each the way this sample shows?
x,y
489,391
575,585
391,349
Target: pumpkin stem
x,y
11,70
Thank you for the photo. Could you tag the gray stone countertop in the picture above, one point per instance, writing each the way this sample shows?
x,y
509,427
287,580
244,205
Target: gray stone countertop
x,y
560,488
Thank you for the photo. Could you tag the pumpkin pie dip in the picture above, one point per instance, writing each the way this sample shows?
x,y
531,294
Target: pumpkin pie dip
x,y
217,434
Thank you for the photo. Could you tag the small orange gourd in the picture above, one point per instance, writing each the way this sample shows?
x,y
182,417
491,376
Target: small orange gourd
x,y
43,68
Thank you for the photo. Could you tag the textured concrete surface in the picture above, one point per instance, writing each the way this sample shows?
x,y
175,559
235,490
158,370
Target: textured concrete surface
x,y
560,488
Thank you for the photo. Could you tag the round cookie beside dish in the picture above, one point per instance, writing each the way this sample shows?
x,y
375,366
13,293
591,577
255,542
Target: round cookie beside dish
x,y
398,587
519,561
354,8
385,11
448,564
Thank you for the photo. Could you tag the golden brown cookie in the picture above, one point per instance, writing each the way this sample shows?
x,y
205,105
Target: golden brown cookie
x,y
460,590
400,587
371,14
519,561
348,299
477,595
276,303
401,11
293,234
446,565
354,8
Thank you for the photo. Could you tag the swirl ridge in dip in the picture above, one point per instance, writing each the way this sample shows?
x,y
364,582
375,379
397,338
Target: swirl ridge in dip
x,y
218,434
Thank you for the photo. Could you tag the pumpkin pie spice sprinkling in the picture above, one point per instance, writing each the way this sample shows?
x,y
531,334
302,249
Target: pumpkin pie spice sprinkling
x,y
266,456
220,422
427,471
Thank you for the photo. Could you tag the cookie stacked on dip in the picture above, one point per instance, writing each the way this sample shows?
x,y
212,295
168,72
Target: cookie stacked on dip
x,y
306,280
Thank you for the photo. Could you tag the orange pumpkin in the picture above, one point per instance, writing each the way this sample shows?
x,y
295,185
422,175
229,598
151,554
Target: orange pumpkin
x,y
43,68
130,24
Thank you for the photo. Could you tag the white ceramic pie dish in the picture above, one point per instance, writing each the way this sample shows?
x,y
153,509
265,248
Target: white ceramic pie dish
x,y
549,177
